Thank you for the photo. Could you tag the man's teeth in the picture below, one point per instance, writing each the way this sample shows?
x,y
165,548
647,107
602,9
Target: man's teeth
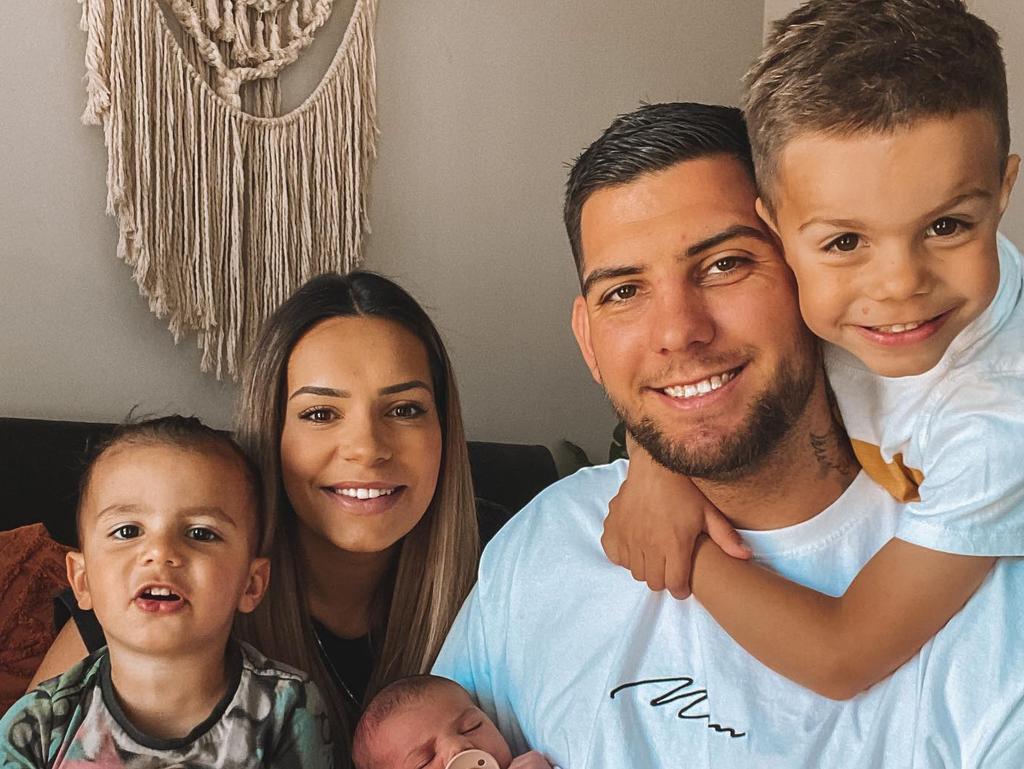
x,y
898,328
364,493
699,388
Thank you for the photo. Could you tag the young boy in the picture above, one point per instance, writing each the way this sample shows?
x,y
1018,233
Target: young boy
x,y
429,722
881,140
170,529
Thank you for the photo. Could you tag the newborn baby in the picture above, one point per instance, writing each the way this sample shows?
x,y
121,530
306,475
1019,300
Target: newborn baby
x,y
428,722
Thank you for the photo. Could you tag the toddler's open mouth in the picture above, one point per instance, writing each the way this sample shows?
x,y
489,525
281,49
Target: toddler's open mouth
x,y
159,599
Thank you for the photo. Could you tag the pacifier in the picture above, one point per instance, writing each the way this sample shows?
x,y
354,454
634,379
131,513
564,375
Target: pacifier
x,y
472,759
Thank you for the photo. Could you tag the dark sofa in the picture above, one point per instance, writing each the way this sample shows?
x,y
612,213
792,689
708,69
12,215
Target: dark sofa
x,y
41,462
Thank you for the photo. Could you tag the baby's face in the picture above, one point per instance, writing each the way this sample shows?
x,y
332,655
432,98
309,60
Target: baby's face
x,y
427,732
892,237
167,548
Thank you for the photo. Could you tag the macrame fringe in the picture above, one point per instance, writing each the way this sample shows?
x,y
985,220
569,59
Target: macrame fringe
x,y
222,214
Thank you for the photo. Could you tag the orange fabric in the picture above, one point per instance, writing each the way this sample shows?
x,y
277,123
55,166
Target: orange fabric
x,y
895,477
31,574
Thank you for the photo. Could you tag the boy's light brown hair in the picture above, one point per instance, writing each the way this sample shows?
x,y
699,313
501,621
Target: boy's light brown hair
x,y
842,67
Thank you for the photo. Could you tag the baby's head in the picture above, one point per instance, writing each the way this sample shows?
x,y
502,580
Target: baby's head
x,y
170,528
422,722
880,136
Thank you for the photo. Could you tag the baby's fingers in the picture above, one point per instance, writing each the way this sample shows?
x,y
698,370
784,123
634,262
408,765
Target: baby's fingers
x,y
724,535
531,760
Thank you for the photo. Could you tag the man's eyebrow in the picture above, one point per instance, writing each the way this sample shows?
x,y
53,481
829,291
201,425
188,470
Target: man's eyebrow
x,y
606,273
736,231
412,384
328,392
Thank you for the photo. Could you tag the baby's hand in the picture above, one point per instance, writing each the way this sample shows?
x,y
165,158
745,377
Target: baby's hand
x,y
654,521
531,760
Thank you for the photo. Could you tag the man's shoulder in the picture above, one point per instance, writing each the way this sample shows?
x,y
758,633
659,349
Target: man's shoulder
x,y
578,499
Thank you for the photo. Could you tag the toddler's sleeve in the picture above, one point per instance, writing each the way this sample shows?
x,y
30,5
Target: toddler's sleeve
x,y
305,738
25,732
972,496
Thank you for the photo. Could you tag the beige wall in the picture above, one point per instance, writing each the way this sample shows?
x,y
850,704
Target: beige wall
x,y
481,104
1005,17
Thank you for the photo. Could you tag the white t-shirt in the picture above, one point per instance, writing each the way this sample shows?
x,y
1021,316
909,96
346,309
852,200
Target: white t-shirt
x,y
961,424
572,657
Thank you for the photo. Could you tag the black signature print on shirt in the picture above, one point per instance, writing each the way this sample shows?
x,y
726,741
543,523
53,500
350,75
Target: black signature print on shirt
x,y
693,698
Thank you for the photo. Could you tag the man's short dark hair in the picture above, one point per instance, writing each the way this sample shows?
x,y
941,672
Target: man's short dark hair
x,y
645,141
849,66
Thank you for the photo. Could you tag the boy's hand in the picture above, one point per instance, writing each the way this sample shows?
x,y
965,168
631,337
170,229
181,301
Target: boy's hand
x,y
654,521
531,760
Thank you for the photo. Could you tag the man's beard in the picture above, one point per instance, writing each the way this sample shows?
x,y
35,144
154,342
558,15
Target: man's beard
x,y
771,417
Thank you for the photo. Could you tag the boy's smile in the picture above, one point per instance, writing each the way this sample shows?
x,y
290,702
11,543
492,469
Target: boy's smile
x,y
892,237
167,548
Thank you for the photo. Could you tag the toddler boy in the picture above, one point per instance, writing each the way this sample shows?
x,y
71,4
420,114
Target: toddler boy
x,y
170,526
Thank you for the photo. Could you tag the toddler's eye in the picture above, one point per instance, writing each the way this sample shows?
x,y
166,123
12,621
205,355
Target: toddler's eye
x,y
845,242
944,227
472,727
202,534
128,531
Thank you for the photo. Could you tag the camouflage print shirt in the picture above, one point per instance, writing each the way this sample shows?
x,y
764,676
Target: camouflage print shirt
x,y
270,716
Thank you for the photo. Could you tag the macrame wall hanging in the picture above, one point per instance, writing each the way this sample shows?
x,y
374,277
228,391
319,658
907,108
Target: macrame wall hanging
x,y
224,207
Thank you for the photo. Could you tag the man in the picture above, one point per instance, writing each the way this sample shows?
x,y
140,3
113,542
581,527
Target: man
x,y
688,318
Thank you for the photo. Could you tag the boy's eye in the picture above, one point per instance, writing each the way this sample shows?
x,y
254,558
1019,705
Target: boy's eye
x,y
407,411
472,727
845,242
620,294
128,531
318,414
202,534
944,227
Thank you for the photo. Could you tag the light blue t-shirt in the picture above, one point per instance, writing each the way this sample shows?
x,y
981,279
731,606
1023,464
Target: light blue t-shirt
x,y
573,658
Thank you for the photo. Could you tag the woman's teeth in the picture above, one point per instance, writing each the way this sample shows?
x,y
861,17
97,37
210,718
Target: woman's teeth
x,y
364,493
897,328
699,388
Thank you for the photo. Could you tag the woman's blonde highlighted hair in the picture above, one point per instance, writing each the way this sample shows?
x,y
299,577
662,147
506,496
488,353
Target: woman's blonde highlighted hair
x,y
436,561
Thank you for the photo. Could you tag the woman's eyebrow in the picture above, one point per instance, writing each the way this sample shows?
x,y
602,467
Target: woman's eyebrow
x,y
403,386
328,392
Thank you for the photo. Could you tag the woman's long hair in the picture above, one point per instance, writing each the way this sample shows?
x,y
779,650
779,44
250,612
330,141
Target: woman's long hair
x,y
436,562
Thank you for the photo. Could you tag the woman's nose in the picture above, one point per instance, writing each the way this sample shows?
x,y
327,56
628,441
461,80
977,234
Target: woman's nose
x,y
365,442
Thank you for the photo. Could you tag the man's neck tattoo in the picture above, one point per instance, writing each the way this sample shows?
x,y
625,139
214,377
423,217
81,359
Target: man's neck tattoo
x,y
833,452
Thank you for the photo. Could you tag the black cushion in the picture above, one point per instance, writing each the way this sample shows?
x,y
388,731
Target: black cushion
x,y
41,462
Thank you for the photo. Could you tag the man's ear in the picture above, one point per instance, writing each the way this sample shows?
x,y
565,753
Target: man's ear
x,y
581,330
75,563
256,587
766,216
1009,179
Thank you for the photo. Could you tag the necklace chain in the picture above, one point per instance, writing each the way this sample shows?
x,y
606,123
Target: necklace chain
x,y
335,674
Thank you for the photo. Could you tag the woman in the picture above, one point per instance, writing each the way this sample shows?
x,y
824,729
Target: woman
x,y
350,409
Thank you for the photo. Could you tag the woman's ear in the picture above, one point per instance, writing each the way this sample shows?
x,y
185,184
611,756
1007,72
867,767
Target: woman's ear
x,y
256,587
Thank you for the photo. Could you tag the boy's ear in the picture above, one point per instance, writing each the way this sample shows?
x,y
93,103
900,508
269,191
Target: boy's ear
x,y
581,330
75,563
1009,179
766,216
256,587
